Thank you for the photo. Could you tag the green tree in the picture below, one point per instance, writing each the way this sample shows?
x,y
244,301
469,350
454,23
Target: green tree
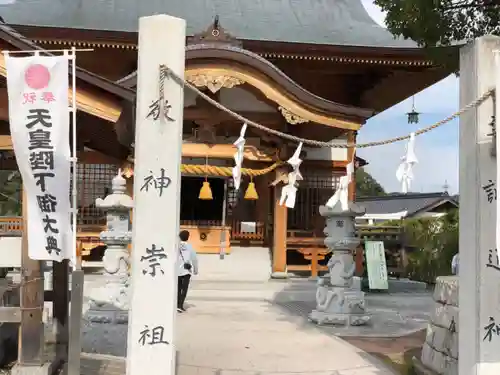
x,y
435,242
10,193
366,185
433,23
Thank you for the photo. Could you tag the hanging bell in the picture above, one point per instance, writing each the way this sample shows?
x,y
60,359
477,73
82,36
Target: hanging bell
x,y
206,192
251,193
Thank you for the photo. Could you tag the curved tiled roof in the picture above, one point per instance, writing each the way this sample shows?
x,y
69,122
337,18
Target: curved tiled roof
x,y
11,36
329,22
411,202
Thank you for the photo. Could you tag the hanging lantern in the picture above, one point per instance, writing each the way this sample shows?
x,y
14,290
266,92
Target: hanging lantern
x,y
251,193
413,115
206,191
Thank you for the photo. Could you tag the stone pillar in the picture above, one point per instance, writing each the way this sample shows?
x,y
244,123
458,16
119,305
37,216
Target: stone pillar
x,y
110,302
479,334
337,301
157,182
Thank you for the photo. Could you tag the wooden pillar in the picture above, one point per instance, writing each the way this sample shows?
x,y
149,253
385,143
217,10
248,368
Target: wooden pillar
x,y
31,330
130,191
60,298
359,253
280,217
351,138
263,203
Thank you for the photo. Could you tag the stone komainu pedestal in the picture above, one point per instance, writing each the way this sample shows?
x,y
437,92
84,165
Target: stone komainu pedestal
x,y
337,302
440,350
110,302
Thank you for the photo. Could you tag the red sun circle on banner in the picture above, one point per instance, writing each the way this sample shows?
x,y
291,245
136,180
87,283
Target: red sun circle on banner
x,y
37,76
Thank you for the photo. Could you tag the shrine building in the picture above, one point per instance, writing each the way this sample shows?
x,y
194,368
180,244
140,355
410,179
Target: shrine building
x,y
312,69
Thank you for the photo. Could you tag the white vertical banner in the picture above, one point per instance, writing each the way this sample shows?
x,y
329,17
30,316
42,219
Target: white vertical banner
x,y
39,126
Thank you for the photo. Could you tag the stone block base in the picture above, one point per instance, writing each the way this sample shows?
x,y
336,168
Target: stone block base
x,y
420,369
356,283
438,362
440,350
45,369
113,316
446,290
321,318
279,275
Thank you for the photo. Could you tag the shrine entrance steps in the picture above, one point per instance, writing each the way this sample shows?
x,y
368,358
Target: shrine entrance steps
x,y
247,264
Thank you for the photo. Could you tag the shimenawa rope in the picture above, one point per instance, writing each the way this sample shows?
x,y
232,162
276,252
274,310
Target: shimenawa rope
x,y
165,71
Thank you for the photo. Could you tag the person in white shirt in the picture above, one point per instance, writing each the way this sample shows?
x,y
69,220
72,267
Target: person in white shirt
x,y
187,265
454,264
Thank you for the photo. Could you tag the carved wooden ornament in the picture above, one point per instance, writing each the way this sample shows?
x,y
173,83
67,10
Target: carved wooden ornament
x,y
290,117
214,82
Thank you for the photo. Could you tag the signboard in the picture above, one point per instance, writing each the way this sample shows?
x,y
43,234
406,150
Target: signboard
x,y
39,125
248,227
376,265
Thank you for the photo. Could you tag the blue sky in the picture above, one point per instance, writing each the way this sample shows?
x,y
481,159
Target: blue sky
x,y
437,151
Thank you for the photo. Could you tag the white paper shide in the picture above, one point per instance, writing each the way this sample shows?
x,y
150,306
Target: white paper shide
x,y
289,191
342,193
404,173
39,126
238,157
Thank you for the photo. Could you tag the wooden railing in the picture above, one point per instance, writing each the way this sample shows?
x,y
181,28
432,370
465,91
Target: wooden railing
x,y
204,223
87,235
236,229
314,255
10,224
310,245
237,234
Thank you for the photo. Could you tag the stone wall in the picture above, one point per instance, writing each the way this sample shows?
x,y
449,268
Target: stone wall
x,y
440,351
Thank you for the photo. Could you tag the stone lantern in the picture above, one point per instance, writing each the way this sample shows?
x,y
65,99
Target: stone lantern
x,y
337,302
110,302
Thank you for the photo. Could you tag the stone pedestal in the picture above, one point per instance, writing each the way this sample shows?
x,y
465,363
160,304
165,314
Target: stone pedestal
x,y
109,302
440,350
338,299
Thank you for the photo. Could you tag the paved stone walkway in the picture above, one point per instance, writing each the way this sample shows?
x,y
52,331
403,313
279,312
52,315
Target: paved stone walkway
x,y
236,337
256,327
238,323
392,315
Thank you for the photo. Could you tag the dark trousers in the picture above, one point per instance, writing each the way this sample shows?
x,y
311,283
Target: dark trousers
x,y
182,289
